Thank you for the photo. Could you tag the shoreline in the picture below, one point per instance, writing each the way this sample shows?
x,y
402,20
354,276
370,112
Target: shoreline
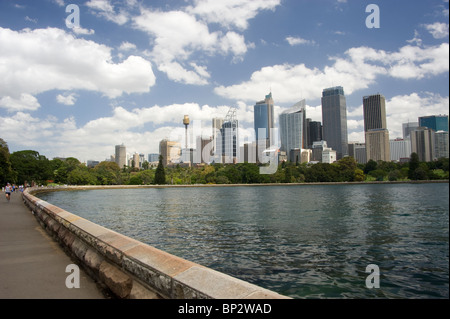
x,y
37,189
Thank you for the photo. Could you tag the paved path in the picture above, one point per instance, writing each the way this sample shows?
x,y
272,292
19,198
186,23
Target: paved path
x,y
32,264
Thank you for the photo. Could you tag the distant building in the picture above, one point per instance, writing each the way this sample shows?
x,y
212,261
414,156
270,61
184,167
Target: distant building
x,y
400,149
358,152
136,160
153,157
121,155
408,127
292,123
170,151
247,153
314,132
334,120
422,143
434,122
328,156
92,164
441,144
375,128
216,126
264,122
228,149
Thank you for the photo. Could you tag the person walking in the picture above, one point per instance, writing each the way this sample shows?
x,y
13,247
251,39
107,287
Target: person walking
x,y
8,191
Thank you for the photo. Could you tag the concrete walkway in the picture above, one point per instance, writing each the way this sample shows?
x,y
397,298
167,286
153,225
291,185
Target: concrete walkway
x,y
32,264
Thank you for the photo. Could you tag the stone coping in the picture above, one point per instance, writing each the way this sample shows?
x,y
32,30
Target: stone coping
x,y
132,269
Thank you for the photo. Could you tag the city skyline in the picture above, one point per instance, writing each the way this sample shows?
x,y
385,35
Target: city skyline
x,y
122,77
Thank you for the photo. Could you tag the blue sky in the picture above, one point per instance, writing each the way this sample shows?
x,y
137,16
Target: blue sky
x,y
132,69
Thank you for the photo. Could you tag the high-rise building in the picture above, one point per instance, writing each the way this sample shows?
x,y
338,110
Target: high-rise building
x,y
375,128
170,151
314,132
216,126
400,149
358,152
121,155
441,144
434,122
204,151
422,143
228,143
334,120
408,127
293,127
264,121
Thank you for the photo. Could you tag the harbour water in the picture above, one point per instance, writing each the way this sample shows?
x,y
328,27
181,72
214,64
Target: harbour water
x,y
306,241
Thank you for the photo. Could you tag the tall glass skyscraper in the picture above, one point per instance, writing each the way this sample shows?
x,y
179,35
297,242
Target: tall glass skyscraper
x,y
263,119
375,128
334,120
435,122
293,128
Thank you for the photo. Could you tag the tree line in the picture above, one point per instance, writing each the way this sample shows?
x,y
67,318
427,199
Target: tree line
x,y
28,166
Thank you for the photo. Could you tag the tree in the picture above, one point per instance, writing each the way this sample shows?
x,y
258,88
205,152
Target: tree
x,y
413,165
160,174
30,166
6,172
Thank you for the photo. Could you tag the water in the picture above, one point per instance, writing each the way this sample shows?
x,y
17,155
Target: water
x,y
308,241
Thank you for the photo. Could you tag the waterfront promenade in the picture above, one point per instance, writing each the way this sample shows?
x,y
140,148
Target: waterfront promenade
x,y
32,264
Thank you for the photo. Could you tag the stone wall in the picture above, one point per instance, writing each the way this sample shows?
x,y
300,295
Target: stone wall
x,y
132,269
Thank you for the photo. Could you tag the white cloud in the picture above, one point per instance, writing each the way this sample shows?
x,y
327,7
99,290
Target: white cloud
x,y
358,68
438,30
231,13
126,46
80,30
23,102
66,99
299,41
105,9
35,61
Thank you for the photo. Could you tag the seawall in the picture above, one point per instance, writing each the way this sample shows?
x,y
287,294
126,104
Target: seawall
x,y
132,269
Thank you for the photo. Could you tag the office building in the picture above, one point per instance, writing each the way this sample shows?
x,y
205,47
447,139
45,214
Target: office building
x,y
358,152
375,128
153,158
204,150
170,151
228,139
400,149
328,155
121,155
334,120
408,127
216,126
317,149
314,132
264,122
248,153
434,122
422,143
441,144
292,124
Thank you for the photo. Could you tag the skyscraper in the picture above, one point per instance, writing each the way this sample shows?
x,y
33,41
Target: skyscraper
x,y
375,128
121,155
422,143
434,122
334,120
264,120
228,143
170,151
441,144
314,132
293,127
216,126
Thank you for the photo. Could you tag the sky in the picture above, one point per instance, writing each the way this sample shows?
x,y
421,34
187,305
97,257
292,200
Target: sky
x,y
79,77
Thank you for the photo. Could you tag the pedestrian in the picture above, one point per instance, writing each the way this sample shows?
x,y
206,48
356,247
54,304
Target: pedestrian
x,y
8,190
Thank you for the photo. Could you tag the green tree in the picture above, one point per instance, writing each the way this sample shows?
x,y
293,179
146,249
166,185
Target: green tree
x,y
160,174
30,166
108,173
413,165
6,172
